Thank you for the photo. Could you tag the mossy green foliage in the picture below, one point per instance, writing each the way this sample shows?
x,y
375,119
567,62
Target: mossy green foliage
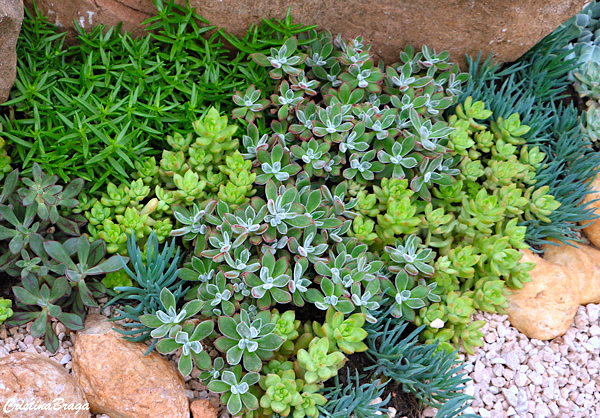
x,y
95,108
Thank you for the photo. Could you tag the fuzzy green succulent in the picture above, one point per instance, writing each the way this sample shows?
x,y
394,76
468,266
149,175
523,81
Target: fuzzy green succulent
x,y
248,341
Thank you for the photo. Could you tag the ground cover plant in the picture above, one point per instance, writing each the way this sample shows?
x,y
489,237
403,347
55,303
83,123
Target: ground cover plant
x,y
292,203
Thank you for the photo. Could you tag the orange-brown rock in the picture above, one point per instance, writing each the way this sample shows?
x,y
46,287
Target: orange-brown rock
x,y
583,262
202,408
505,28
545,307
11,16
592,229
32,386
118,380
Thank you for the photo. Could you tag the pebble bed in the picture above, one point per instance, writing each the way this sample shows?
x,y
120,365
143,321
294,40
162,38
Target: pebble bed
x,y
512,375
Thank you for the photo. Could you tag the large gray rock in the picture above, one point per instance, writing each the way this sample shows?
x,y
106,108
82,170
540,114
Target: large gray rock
x,y
33,386
11,17
506,28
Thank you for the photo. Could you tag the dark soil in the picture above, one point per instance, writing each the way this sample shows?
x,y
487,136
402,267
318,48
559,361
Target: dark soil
x,y
405,404
307,313
6,284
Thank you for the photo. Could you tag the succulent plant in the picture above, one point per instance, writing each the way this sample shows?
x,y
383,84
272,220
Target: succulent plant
x,y
281,393
89,263
345,334
251,105
117,279
151,272
248,341
275,165
406,296
187,337
282,60
235,389
269,285
5,309
42,303
318,363
286,326
218,296
4,159
43,190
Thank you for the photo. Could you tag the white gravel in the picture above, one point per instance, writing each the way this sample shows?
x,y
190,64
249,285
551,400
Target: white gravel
x,y
514,376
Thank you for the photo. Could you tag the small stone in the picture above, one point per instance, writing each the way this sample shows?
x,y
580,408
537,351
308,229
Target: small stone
x,y
594,342
502,331
508,374
66,358
202,408
593,311
392,411
512,360
520,379
429,412
484,413
594,330
477,377
498,382
437,323
488,399
511,395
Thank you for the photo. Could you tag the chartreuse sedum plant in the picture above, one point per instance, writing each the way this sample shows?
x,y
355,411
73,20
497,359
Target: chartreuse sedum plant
x,y
5,309
345,334
194,169
478,243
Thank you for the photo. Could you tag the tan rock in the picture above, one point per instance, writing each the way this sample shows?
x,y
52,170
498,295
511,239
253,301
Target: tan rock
x,y
592,230
11,17
202,408
120,381
34,381
545,307
506,29
583,262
